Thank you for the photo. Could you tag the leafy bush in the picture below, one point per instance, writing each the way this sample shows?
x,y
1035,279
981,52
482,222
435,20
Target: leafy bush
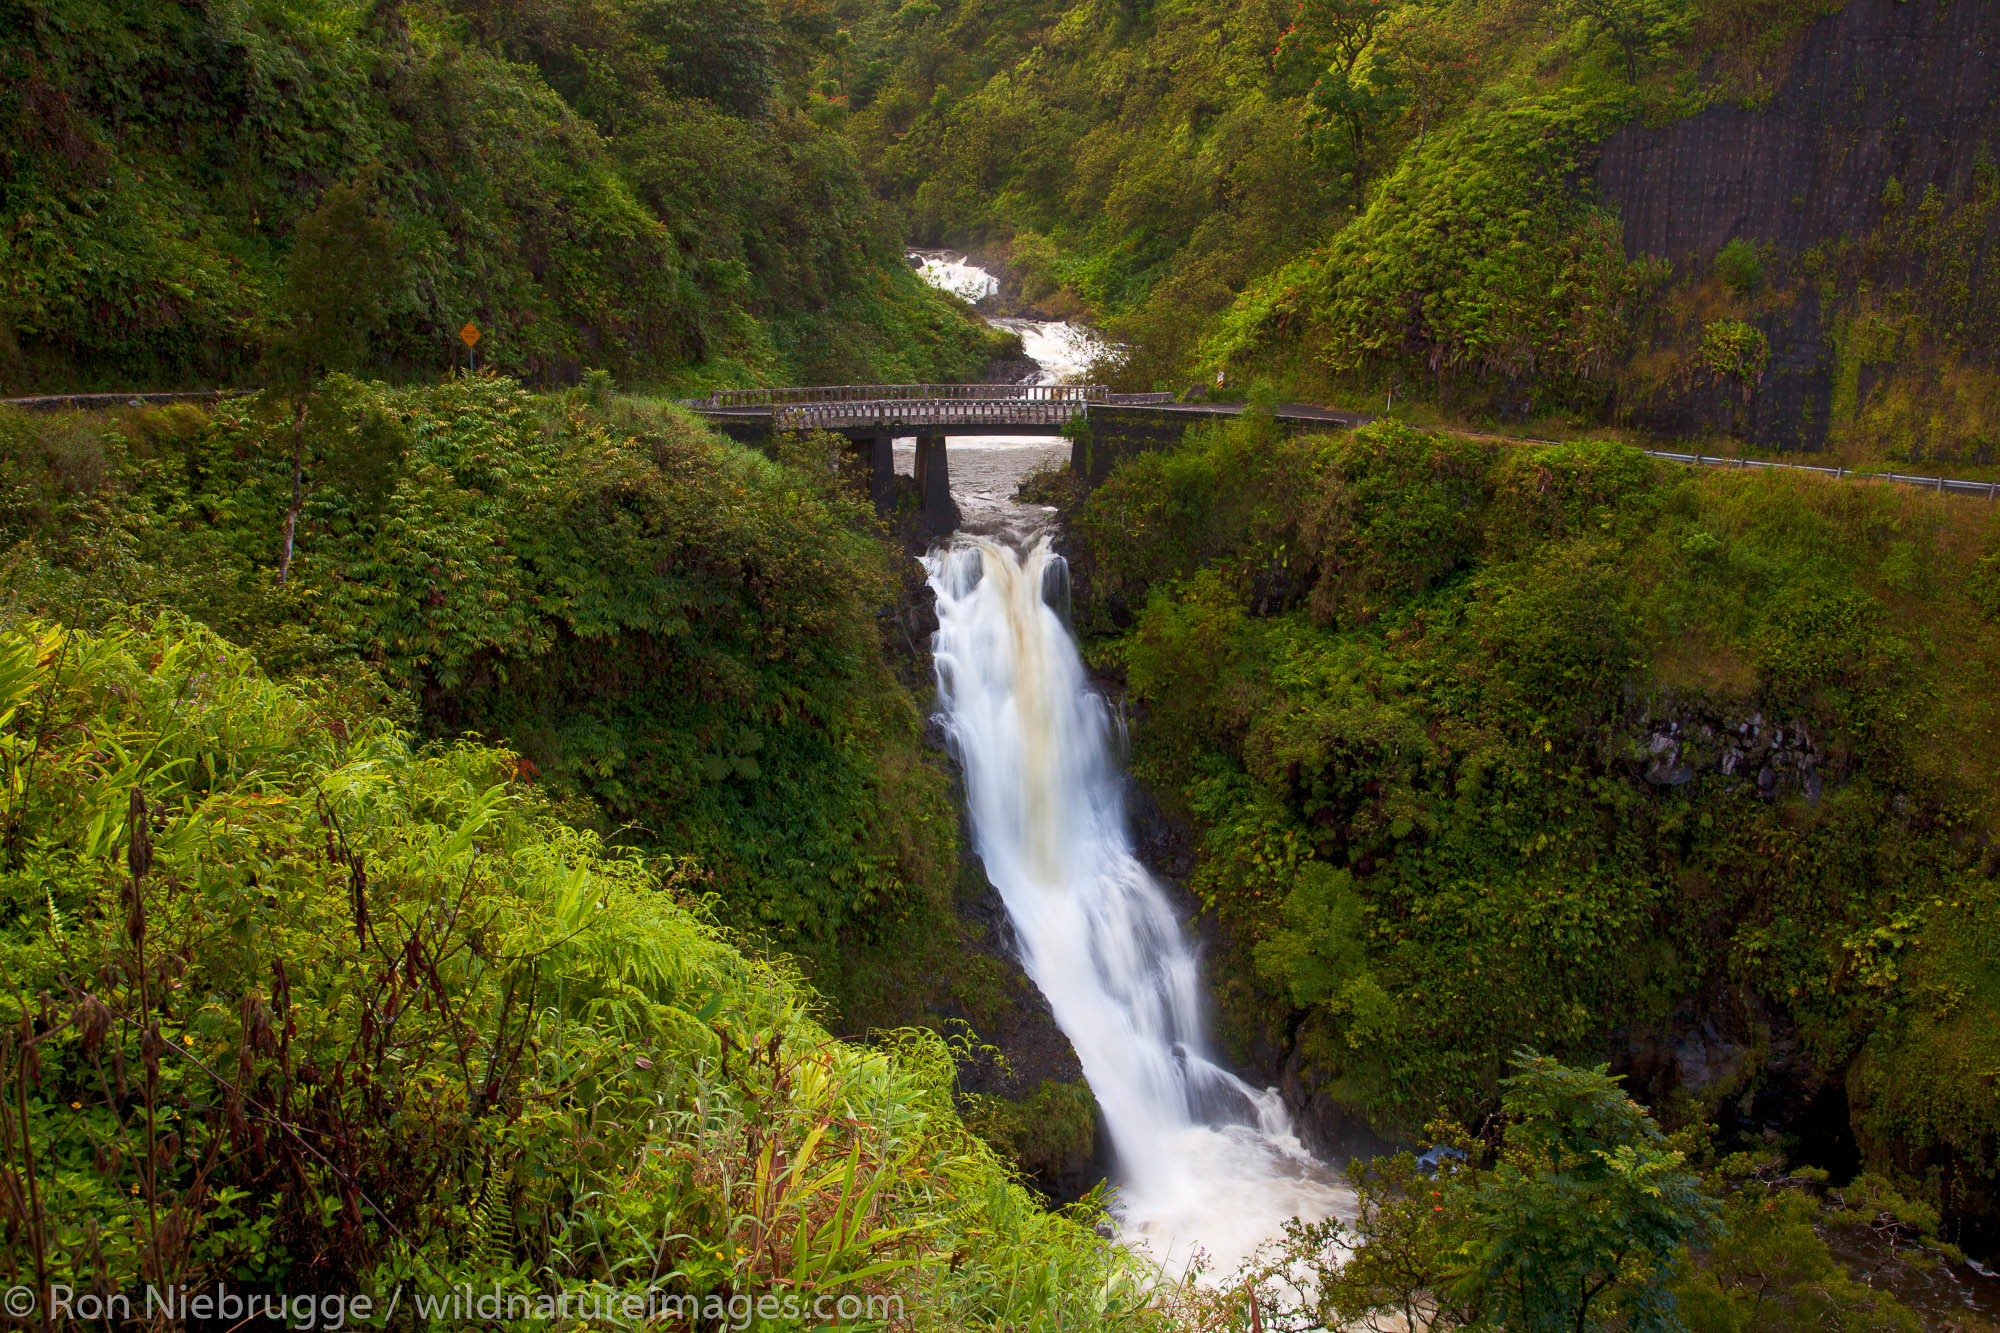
x,y
1741,266
675,627
627,186
1584,740
1198,505
1770,1268
1580,1220
1398,511
1731,349
301,1004
1450,269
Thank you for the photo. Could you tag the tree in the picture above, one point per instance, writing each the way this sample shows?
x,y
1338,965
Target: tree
x,y
1771,1272
1580,1221
1587,1212
1350,105
722,51
345,271
1434,61
1643,30
1356,87
1329,34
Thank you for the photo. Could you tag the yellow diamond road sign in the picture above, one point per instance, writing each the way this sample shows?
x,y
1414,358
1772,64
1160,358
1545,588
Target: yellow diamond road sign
x,y
469,335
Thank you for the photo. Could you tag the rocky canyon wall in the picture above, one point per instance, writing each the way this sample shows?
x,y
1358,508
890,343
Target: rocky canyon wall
x,y
1867,182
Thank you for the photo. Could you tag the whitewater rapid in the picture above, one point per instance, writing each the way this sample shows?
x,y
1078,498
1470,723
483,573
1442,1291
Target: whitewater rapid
x,y
1063,353
1207,1165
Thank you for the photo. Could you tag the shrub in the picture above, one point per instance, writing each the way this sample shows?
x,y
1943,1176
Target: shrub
x,y
300,1004
667,624
1740,264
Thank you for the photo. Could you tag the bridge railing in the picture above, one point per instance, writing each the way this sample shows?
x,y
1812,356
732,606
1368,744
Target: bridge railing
x,y
1942,485
915,415
727,399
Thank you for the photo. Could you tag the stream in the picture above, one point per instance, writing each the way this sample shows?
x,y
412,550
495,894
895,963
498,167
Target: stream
x,y
986,469
1208,1168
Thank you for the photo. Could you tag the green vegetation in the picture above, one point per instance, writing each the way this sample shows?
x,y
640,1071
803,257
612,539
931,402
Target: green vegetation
x,y
1571,1209
709,759
1360,198
642,187
1555,747
1188,169
670,628
1772,1270
486,937
294,1003
1580,1221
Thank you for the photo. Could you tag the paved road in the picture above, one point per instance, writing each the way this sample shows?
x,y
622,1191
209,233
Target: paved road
x,y
98,402
1989,490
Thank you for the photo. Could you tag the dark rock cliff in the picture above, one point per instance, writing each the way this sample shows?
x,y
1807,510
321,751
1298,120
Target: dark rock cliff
x,y
1884,108
1881,91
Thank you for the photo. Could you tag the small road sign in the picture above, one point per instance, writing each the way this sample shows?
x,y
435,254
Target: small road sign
x,y
469,335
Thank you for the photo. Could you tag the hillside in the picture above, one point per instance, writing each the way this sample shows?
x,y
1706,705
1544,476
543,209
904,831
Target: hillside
x,y
687,640
299,1006
467,824
195,195
1555,747
1761,223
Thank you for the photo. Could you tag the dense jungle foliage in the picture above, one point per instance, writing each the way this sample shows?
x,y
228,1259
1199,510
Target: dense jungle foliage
x,y
193,194
302,1002
443,826
1555,746
297,1004
690,651
1396,200
683,636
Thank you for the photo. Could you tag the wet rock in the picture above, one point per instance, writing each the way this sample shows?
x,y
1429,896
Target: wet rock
x,y
1329,1130
1704,1060
1163,844
1689,742
1664,772
1667,767
1011,370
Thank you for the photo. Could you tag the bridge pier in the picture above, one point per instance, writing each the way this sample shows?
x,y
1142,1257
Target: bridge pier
x,y
934,485
881,470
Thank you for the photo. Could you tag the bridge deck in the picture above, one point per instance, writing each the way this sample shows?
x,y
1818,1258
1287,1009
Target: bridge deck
x,y
913,409
928,393
932,416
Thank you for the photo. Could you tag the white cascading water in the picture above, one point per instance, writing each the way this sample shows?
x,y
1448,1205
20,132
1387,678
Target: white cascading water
x,y
1208,1167
1206,1164
1064,352
955,274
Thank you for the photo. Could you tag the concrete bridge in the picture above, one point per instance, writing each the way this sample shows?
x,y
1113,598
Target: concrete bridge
x,y
1102,426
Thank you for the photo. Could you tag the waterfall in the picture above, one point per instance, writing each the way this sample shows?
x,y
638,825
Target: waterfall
x,y
1065,352
1205,1162
955,274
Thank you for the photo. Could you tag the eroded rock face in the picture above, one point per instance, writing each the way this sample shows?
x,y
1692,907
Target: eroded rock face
x,y
1780,757
1883,90
1881,104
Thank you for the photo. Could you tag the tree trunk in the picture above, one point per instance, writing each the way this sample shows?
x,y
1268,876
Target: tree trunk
x,y
298,490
